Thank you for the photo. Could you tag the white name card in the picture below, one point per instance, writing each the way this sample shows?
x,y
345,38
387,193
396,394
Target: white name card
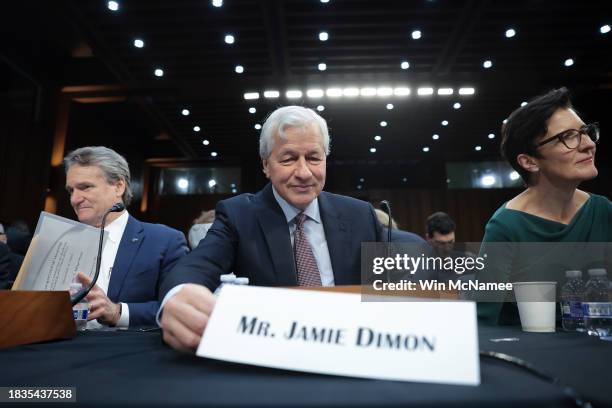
x,y
338,334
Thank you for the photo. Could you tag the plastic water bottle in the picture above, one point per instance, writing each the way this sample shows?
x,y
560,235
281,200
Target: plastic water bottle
x,y
572,295
597,307
80,311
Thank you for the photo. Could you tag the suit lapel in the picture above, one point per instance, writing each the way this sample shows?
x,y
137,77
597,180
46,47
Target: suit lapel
x,y
128,248
337,234
276,233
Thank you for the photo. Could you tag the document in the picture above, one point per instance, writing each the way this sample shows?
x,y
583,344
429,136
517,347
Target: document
x,y
59,250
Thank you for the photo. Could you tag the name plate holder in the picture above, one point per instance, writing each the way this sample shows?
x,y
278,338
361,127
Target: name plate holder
x,y
338,334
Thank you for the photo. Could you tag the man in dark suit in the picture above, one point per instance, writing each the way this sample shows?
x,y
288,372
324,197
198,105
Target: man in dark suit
x,y
136,255
290,233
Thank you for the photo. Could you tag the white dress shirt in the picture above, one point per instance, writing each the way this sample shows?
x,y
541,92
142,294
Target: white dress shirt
x,y
109,252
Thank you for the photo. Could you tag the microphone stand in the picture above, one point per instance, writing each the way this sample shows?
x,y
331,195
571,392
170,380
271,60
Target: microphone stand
x,y
77,297
386,207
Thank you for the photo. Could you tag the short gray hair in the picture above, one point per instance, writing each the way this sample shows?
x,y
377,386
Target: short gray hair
x,y
113,165
290,117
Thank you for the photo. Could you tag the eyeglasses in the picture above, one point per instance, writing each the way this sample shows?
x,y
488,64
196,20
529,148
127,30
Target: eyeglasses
x,y
571,138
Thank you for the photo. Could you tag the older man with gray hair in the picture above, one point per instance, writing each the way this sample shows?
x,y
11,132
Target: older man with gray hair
x,y
291,233
136,255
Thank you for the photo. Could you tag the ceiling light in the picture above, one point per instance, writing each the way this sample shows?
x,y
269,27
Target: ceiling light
x,y
217,3
367,91
361,180
323,36
491,136
185,112
213,154
372,150
383,124
257,126
389,106
478,148
456,105
384,91
182,183
505,121
324,1
487,181
271,94
252,109
205,142
251,95
322,66
523,103
359,187
196,129
435,137
444,123
377,138
467,91
138,43
401,91
426,149
445,91
568,62
112,5
416,34
405,65
514,175
320,108
333,92
212,183
511,32
315,93
350,92
425,91
604,29
229,39
158,72
293,94
487,64
239,69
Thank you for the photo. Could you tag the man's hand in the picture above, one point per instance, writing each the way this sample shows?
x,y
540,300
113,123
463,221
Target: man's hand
x,y
185,316
100,306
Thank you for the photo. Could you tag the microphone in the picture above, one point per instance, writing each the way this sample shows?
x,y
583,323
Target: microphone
x,y
386,207
77,297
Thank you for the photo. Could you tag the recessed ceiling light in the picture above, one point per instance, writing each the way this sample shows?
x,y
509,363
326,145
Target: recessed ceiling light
x,y
405,65
323,36
320,108
334,92
491,136
315,93
416,34
229,39
293,94
383,123
426,149
252,109
514,175
324,1
350,92
444,123
372,150
384,91
185,112
523,103
361,180
251,95
158,72
182,183
425,91
213,154
435,136
401,91
367,91
467,91
257,126
487,64
478,148
322,66
456,105
217,3
445,91
511,32
196,129
239,69
271,94
138,43
568,62
505,121
390,106
205,142
488,180
359,187
112,5
405,179
377,138
604,29
212,183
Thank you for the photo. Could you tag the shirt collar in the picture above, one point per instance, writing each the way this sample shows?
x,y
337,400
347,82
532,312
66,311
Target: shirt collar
x,y
311,211
115,229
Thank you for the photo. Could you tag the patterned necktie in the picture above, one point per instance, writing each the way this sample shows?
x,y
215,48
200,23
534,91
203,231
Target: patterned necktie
x,y
305,263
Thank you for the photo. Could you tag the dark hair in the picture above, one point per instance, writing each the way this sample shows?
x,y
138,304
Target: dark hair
x,y
439,222
529,122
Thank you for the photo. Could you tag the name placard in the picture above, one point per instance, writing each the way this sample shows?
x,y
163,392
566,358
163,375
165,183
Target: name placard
x,y
338,334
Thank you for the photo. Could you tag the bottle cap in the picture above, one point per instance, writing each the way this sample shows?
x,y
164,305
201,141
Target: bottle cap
x,y
597,272
573,274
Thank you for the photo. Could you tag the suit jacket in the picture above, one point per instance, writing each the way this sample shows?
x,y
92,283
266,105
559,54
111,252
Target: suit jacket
x,y
147,252
9,266
250,237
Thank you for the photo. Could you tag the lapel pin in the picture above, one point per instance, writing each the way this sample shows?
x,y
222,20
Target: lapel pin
x,y
134,239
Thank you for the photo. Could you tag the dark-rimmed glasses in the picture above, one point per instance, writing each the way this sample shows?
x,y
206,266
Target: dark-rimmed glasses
x,y
571,138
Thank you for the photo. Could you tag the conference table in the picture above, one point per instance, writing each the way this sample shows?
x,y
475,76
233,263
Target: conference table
x,y
135,368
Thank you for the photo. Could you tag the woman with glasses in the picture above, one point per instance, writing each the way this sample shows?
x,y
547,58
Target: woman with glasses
x,y
553,150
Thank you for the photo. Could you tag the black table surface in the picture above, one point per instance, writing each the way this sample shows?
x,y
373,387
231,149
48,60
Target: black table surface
x,y
128,368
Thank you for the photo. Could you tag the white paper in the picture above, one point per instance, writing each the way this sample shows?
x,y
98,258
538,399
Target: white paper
x,y
60,249
408,341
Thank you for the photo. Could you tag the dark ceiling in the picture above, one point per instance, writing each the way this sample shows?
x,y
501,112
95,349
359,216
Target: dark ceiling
x,y
277,44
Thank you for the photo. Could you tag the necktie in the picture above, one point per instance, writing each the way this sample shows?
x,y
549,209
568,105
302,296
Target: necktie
x,y
305,263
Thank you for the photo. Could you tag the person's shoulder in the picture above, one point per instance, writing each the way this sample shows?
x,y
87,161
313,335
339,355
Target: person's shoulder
x,y
344,201
501,224
600,201
239,201
157,229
